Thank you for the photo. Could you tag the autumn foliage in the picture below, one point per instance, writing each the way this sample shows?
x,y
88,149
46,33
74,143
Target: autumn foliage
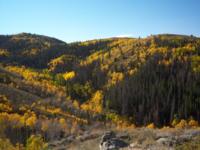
x,y
50,89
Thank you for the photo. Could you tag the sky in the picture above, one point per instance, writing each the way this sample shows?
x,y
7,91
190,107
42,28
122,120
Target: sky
x,y
80,20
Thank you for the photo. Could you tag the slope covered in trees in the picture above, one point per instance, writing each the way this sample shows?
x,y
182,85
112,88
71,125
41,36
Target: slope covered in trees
x,y
118,80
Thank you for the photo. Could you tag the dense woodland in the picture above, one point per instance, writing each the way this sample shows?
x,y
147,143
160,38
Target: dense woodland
x,y
50,89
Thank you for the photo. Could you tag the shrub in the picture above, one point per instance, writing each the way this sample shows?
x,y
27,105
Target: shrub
x,y
69,75
35,142
95,103
6,145
31,121
151,126
119,121
182,124
174,122
193,123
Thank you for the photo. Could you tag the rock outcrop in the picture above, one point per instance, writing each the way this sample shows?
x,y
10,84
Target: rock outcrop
x,y
109,141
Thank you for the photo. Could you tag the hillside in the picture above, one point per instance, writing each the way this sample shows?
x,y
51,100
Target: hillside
x,y
57,89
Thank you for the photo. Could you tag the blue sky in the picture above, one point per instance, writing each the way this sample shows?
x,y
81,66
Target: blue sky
x,y
79,20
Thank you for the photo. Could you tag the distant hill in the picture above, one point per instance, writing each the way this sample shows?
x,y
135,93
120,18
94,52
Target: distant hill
x,y
29,49
37,50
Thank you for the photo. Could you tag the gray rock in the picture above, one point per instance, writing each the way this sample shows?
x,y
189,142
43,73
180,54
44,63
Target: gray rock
x,y
166,141
108,135
113,144
173,140
70,138
110,142
123,135
86,136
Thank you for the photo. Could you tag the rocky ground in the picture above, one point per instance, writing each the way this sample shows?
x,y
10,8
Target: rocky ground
x,y
131,139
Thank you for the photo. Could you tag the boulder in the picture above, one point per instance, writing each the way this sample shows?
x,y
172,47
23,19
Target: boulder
x,y
109,141
113,144
108,135
166,141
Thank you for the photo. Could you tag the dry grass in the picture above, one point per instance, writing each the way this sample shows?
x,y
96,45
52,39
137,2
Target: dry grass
x,y
194,144
92,144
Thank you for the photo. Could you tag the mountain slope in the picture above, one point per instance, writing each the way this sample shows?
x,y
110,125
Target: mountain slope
x,y
121,81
